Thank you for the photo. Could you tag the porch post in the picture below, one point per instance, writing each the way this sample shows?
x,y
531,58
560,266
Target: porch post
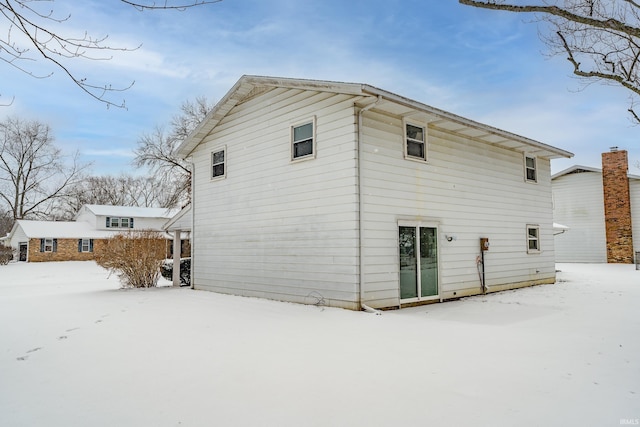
x,y
176,257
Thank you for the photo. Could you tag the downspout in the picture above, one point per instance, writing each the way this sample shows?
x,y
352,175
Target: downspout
x,y
363,306
193,223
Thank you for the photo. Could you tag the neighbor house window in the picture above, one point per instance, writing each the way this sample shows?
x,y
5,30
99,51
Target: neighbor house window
x,y
530,170
218,169
48,245
533,238
119,222
302,141
85,245
415,142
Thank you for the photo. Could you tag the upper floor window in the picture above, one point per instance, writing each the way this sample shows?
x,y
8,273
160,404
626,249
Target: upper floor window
x,y
119,222
530,169
302,140
218,169
415,142
533,238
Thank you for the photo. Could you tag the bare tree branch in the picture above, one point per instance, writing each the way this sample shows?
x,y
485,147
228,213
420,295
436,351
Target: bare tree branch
x,y
166,6
41,42
600,38
157,150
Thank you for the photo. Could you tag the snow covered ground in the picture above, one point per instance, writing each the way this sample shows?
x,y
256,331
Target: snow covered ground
x,y
75,350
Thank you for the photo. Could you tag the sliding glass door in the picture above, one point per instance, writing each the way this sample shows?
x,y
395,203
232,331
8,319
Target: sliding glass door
x,y
418,247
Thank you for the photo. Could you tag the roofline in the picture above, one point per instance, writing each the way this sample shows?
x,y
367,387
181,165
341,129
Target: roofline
x,y
462,120
89,207
357,89
176,217
586,168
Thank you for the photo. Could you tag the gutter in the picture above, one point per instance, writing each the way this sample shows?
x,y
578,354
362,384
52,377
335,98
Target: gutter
x,y
360,221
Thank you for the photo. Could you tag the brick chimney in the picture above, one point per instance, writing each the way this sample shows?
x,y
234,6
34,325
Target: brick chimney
x,y
617,206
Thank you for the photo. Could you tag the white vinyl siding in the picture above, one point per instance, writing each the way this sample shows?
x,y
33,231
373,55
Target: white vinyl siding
x,y
287,231
579,204
449,191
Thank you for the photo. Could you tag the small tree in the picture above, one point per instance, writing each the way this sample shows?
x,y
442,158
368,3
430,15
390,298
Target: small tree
x,y
135,257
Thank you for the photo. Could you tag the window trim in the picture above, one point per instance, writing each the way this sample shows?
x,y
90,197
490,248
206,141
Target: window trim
x,y
46,239
116,222
297,124
88,245
222,149
530,239
527,168
425,142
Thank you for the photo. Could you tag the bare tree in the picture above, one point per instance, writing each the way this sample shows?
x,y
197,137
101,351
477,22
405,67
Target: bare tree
x,y
600,38
121,190
6,222
157,151
34,173
32,35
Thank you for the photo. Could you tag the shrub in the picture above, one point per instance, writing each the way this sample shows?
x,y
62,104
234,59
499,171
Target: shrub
x,y
166,269
6,254
135,257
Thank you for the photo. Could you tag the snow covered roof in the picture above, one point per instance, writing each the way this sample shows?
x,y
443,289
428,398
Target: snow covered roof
x,y
131,211
62,229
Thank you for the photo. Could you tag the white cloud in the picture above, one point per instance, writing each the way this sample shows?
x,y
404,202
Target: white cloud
x,y
119,152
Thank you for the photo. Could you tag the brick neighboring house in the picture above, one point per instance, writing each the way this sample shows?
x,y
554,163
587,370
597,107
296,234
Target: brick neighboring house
x,y
602,209
79,240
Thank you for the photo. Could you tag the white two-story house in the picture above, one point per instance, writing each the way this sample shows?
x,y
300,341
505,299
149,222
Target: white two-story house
x,y
347,195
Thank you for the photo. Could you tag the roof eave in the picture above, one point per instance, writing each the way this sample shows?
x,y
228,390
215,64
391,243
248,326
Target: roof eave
x,y
551,151
246,83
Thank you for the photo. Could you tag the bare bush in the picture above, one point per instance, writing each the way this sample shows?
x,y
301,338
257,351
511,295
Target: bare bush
x,y
6,254
135,257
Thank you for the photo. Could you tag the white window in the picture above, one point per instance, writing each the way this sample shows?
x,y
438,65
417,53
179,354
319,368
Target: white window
x,y
530,169
48,245
85,245
533,239
218,169
117,222
303,140
415,146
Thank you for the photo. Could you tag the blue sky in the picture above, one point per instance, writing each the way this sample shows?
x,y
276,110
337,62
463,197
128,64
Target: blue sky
x,y
484,65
